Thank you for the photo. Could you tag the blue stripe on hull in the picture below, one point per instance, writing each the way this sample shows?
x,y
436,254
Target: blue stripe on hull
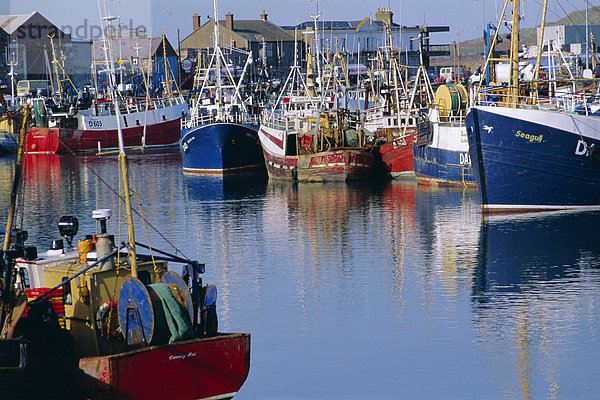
x,y
442,166
223,147
545,172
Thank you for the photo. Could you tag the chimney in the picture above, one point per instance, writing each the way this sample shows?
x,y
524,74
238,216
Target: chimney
x,y
196,20
384,15
263,16
229,20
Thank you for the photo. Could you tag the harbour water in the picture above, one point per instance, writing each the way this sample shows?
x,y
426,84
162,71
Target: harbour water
x,y
383,290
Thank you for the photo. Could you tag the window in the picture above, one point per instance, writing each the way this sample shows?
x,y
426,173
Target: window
x,y
24,275
67,298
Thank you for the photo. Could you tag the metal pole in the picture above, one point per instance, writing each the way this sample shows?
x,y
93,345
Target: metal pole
x,y
587,37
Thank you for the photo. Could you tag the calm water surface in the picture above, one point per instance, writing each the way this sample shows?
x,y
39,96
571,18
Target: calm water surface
x,y
358,291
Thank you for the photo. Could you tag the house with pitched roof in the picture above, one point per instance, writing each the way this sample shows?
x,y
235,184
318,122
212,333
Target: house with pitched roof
x,y
29,36
272,47
32,38
133,51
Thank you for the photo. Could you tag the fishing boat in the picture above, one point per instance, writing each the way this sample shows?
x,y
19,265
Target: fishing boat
x,y
441,151
335,150
394,117
395,153
307,136
110,322
153,123
220,135
533,153
90,124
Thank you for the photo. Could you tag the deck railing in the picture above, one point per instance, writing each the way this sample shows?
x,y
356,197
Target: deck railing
x,y
203,119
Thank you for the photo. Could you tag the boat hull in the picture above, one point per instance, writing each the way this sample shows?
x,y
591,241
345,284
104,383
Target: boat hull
x,y
62,140
441,167
221,148
209,368
530,160
441,154
397,157
340,165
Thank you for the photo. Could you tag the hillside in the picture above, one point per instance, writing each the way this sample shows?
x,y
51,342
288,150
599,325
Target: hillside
x,y
472,51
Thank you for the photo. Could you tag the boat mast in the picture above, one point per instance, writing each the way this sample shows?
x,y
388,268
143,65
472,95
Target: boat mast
x,y
540,50
122,157
55,63
217,62
514,56
17,178
167,69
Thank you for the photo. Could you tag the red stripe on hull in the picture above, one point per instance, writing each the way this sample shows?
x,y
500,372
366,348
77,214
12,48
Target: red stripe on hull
x,y
197,369
57,140
336,166
277,142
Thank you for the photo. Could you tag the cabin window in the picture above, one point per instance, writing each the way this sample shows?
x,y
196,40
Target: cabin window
x,y
137,122
24,276
125,119
164,117
67,297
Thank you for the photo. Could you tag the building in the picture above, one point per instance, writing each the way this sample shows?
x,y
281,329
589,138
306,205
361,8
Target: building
x,y
29,38
34,43
272,47
361,39
4,68
133,52
572,38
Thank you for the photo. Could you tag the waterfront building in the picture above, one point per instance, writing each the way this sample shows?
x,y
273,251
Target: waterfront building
x,y
133,52
272,47
28,36
28,41
360,39
4,68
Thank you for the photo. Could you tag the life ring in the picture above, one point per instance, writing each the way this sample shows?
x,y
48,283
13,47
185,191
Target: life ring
x,y
102,322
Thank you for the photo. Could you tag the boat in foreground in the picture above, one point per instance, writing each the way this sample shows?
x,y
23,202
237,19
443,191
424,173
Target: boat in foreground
x,y
105,322
113,335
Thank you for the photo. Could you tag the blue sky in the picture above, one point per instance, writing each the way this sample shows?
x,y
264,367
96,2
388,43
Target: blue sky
x,y
465,17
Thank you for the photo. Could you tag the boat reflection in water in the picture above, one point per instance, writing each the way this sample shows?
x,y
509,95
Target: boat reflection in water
x,y
224,187
536,275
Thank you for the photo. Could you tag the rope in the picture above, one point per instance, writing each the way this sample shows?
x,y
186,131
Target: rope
x,y
137,198
138,213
